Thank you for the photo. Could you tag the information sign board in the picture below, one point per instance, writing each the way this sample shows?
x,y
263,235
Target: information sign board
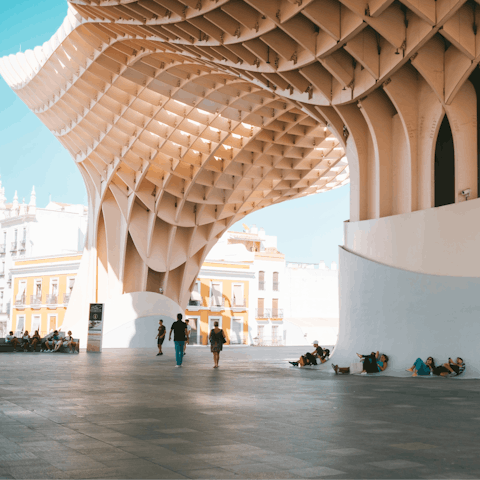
x,y
95,327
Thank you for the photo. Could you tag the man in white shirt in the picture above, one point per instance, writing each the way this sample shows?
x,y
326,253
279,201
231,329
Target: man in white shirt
x,y
11,338
189,329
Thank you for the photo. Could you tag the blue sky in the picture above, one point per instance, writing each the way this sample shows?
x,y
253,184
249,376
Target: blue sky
x,y
308,229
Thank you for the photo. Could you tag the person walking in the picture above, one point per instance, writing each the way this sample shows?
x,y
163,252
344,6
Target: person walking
x,y
160,336
180,335
189,330
217,339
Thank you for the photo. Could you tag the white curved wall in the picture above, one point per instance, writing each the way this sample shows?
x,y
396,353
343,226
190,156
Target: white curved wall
x,y
406,315
131,319
439,241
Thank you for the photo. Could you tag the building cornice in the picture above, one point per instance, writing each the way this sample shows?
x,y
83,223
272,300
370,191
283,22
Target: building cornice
x,y
214,273
45,269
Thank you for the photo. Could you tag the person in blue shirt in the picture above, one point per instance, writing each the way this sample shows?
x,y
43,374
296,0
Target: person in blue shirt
x,y
422,368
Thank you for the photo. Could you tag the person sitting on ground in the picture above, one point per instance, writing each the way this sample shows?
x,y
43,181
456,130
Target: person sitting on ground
x,y
50,340
36,339
451,368
311,358
372,363
11,338
72,346
25,341
422,368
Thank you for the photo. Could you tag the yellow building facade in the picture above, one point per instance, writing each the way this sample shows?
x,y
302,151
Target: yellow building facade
x,y
221,293
41,292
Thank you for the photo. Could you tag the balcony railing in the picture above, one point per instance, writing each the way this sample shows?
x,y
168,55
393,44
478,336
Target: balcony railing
x,y
35,300
261,285
13,247
239,302
216,303
52,299
20,301
277,312
2,274
267,341
66,298
276,286
3,249
22,244
194,303
263,313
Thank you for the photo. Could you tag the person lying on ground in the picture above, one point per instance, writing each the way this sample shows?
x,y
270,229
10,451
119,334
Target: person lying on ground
x,y
25,341
422,368
311,358
451,368
11,338
36,339
372,363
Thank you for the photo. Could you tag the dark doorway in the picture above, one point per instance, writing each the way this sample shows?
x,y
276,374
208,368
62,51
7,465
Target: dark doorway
x,y
444,166
475,79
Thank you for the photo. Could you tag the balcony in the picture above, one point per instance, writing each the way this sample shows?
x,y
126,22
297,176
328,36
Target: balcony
x,y
20,302
22,245
239,304
35,301
216,304
261,285
2,274
277,312
3,249
276,286
13,247
52,301
66,298
263,313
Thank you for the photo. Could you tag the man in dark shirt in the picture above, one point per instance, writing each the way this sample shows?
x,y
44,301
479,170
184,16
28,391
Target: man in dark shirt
x,y
160,337
179,336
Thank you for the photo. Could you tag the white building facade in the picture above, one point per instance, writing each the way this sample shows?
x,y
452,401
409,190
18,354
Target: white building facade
x,y
27,231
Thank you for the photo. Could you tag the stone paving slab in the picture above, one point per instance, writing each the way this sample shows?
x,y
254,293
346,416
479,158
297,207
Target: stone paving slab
x,y
130,414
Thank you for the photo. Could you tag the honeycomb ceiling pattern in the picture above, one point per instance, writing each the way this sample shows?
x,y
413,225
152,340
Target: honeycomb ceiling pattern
x,y
186,115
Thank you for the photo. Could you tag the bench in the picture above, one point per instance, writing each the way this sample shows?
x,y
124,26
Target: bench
x,y
8,347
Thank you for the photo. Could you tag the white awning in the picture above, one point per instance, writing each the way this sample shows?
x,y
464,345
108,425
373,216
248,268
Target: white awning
x,y
195,296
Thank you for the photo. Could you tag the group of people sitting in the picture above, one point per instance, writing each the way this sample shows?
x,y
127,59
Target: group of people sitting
x,y
372,363
310,358
49,343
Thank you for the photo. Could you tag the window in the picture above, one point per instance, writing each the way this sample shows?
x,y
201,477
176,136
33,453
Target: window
x,y
195,296
70,285
20,298
275,334
211,321
16,236
275,282
216,294
261,280
38,288
275,308
236,332
20,324
238,299
261,309
54,286
261,329
36,323
52,323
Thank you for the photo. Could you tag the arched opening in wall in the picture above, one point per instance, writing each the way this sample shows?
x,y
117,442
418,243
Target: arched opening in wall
x,y
444,166
475,79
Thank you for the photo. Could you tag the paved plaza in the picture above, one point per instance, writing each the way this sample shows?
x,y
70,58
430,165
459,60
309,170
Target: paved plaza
x,y
131,414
